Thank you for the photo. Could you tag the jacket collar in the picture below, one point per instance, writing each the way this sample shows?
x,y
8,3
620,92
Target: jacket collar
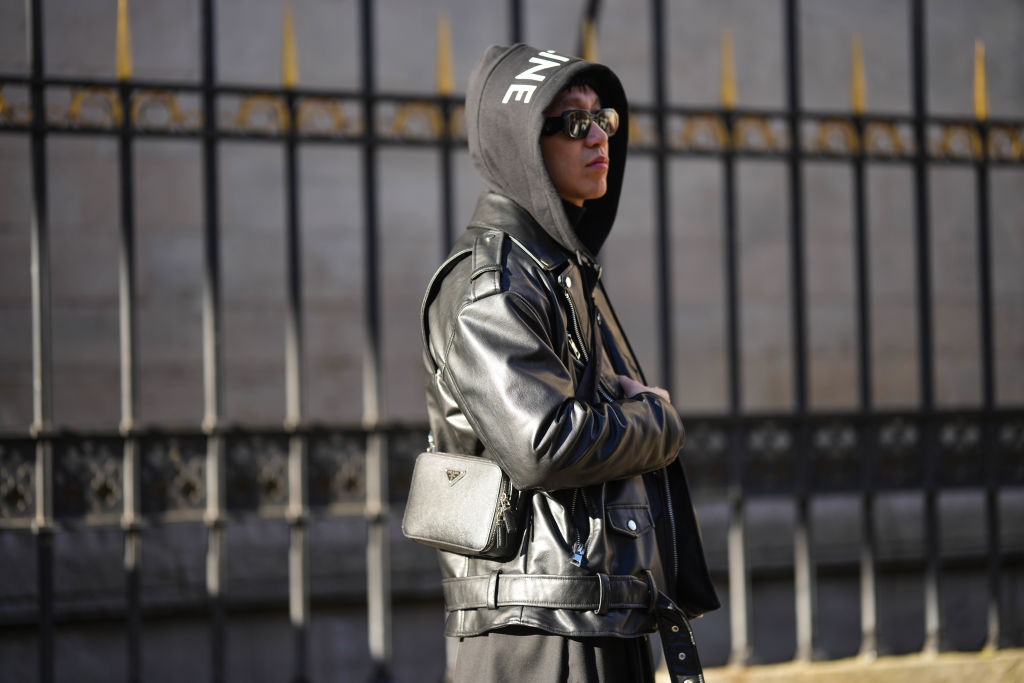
x,y
498,212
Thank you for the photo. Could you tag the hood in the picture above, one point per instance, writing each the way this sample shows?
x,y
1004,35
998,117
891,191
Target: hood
x,y
505,101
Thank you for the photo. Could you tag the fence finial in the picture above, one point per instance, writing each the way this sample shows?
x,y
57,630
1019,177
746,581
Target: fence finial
x,y
589,40
445,62
858,86
124,42
728,71
289,52
980,82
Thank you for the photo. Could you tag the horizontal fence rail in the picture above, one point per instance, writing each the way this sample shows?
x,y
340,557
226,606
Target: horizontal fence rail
x,y
54,480
169,109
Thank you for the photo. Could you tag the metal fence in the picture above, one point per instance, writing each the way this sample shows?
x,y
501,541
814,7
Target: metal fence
x,y
55,479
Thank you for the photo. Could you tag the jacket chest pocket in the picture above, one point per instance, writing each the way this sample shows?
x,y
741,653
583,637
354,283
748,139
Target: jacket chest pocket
x,y
630,520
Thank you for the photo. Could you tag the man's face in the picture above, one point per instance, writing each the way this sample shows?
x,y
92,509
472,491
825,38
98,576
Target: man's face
x,y
579,168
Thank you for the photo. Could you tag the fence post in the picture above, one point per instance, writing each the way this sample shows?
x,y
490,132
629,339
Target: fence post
x,y
42,400
378,552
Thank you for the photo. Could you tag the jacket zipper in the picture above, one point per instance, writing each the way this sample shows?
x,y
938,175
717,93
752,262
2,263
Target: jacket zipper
x,y
579,546
582,350
672,526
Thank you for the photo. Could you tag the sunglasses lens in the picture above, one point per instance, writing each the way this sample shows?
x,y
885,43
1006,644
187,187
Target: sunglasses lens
x,y
577,123
608,119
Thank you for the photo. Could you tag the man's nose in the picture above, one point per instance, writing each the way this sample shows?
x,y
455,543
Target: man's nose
x,y
596,135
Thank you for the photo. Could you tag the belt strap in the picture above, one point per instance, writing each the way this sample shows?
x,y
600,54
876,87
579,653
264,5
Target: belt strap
x,y
599,593
678,643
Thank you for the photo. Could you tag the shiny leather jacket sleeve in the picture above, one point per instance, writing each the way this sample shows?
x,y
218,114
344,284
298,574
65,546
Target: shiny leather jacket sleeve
x,y
504,368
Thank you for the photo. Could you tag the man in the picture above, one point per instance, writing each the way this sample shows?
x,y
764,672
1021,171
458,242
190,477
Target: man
x,y
527,365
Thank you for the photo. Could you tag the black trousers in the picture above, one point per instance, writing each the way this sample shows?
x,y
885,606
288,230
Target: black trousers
x,y
518,655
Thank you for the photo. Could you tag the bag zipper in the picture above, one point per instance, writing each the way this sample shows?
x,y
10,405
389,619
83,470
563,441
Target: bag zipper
x,y
506,526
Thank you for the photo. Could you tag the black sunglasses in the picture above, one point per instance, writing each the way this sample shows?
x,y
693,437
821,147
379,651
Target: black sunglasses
x,y
576,122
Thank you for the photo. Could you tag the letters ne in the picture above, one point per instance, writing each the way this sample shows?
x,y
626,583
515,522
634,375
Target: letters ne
x,y
524,91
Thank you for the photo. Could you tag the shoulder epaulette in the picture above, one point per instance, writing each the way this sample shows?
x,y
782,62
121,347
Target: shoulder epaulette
x,y
486,274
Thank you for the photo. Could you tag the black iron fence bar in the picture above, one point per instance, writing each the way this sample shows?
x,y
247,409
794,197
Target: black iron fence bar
x,y
933,620
297,512
215,513
126,302
862,277
303,92
447,185
805,592
42,397
988,395
378,559
739,567
960,142
515,15
662,244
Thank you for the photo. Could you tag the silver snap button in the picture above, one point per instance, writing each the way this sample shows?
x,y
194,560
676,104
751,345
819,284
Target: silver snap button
x,y
675,629
682,656
632,525
568,281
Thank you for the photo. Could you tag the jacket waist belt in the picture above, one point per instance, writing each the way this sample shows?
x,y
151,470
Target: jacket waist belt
x,y
599,593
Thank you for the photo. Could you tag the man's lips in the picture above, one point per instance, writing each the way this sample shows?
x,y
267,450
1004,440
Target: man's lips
x,y
599,162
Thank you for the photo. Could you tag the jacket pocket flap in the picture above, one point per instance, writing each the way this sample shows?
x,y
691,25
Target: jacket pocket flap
x,y
632,520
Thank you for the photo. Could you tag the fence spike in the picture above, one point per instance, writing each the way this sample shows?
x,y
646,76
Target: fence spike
x,y
589,40
445,62
858,87
728,71
124,42
289,52
980,82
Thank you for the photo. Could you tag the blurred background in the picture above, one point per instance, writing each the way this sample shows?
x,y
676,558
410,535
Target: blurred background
x,y
217,220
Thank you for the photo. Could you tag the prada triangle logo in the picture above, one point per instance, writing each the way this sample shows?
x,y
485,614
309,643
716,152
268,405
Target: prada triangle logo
x,y
454,476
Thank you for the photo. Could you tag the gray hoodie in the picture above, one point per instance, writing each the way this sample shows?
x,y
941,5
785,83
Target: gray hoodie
x,y
508,93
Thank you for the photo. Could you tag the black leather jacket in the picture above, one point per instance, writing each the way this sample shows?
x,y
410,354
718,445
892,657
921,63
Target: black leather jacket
x,y
510,333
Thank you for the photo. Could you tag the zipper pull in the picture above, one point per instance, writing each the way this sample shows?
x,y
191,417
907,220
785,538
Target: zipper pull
x,y
572,347
577,559
500,537
508,520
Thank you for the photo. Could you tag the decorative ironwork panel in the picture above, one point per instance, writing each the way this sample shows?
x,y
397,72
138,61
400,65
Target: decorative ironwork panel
x,y
84,108
330,117
337,468
760,134
1006,142
173,474
17,479
253,113
698,133
417,121
706,455
836,459
1010,450
897,441
889,139
770,458
402,449
257,471
14,105
88,477
642,131
961,461
155,110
